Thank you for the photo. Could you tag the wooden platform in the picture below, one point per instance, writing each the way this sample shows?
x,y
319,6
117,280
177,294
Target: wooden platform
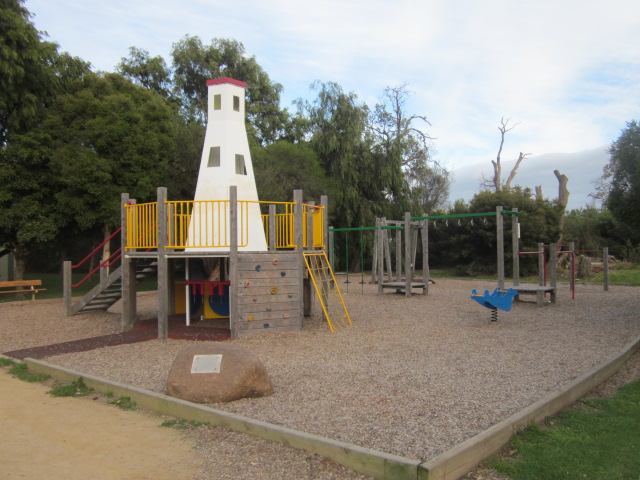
x,y
538,290
400,286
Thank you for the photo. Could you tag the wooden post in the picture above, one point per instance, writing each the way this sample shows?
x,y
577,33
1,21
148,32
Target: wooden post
x,y
332,254
515,246
374,262
572,269
297,222
233,261
163,266
553,273
129,315
407,254
309,225
605,268
67,281
324,201
380,255
387,250
426,274
399,256
272,227
541,261
541,276
500,245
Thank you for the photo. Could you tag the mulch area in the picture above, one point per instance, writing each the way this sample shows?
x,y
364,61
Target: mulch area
x,y
143,332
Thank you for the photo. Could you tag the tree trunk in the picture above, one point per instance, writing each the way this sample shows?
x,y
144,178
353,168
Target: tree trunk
x,y
514,170
106,249
20,254
563,200
539,196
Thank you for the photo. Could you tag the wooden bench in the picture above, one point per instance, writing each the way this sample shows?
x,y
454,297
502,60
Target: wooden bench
x,y
22,286
538,290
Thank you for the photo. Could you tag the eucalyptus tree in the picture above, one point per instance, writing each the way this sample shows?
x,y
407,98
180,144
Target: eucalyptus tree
x,y
107,136
33,73
620,183
337,125
402,140
194,63
26,82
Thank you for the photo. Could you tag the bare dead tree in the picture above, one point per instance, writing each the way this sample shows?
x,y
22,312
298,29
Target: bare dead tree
x,y
563,199
496,181
539,196
521,157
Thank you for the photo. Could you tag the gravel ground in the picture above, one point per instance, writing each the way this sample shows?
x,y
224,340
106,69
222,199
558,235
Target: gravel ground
x,y
412,377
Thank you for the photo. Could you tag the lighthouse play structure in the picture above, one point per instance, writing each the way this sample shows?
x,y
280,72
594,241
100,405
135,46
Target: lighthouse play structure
x,y
225,254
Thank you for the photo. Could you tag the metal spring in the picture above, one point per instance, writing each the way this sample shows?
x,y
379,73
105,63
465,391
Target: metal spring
x,y
494,314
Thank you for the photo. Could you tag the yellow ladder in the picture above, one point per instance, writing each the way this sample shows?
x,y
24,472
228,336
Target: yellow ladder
x,y
335,311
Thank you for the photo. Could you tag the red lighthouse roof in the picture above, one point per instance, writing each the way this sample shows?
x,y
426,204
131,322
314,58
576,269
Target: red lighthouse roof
x,y
233,81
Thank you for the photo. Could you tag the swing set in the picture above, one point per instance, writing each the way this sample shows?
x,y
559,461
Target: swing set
x,y
407,239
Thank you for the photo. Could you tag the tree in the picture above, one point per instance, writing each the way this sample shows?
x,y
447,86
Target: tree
x,y
107,136
620,185
27,80
496,181
28,216
194,63
283,167
338,124
429,187
396,131
33,73
405,148
149,72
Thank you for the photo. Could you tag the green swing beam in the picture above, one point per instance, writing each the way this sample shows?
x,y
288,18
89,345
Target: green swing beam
x,y
463,215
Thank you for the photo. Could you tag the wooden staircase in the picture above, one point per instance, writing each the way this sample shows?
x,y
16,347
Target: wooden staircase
x,y
109,290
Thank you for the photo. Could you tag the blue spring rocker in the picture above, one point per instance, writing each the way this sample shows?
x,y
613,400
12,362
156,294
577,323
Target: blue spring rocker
x,y
500,299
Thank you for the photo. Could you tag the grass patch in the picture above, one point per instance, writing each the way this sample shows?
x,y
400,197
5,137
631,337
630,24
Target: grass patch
x,y
77,388
123,403
22,372
53,284
181,424
599,442
5,362
627,276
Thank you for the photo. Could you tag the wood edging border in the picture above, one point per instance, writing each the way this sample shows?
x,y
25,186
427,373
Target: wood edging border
x,y
449,465
370,462
462,458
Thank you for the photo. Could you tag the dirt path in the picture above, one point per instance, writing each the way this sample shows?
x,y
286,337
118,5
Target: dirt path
x,y
64,438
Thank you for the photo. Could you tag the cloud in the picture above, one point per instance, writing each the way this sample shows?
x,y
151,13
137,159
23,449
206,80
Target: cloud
x,y
582,169
566,70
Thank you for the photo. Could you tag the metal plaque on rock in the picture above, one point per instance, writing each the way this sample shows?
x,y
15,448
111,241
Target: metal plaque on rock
x,y
206,364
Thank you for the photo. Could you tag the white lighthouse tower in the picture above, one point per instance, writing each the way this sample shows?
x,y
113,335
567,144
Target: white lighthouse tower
x,y
226,161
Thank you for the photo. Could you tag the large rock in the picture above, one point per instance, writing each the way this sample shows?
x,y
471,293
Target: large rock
x,y
215,372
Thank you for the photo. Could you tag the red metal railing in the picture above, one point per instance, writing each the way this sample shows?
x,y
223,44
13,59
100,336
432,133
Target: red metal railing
x,y
113,258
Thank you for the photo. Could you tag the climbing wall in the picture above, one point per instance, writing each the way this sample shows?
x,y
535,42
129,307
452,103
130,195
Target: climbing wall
x,y
269,292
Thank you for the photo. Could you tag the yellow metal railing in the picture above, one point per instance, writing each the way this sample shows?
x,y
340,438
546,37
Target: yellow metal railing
x,y
316,223
285,237
201,224
142,230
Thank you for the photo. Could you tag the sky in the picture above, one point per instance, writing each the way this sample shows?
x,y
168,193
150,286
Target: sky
x,y
566,72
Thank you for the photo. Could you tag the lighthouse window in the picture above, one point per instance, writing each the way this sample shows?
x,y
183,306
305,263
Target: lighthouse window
x,y
236,103
214,157
217,102
240,167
